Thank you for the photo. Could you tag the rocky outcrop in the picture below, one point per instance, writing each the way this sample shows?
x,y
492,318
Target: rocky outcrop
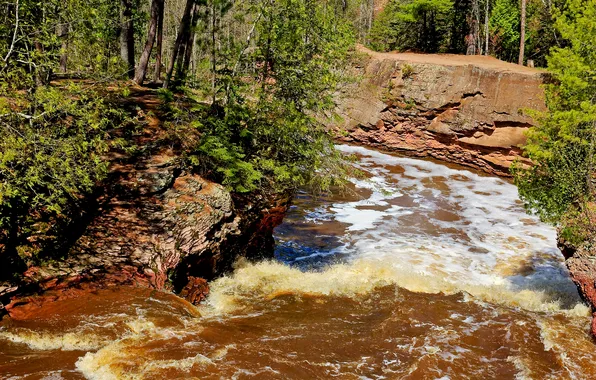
x,y
467,110
155,226
178,231
580,257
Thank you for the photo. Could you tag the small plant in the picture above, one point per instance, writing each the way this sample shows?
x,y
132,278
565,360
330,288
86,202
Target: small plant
x,y
406,71
165,95
410,104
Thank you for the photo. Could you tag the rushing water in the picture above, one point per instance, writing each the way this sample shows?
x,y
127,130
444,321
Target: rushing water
x,y
422,271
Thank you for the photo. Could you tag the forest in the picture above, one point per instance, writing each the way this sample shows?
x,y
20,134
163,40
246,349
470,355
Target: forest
x,y
511,30
243,84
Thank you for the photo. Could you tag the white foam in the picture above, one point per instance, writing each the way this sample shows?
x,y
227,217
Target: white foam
x,y
491,242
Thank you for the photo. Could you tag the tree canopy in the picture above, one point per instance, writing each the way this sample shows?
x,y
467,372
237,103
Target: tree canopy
x,y
248,78
490,27
560,187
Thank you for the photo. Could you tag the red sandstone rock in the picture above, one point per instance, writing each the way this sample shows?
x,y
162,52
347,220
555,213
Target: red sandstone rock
x,y
195,291
190,226
471,114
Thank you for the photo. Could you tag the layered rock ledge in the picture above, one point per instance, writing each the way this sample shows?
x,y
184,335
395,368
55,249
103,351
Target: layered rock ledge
x,y
469,110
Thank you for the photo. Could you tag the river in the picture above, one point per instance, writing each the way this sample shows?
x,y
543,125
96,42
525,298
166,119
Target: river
x,y
420,271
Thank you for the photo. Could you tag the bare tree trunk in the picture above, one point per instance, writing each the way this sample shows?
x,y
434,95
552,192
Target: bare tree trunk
x,y
184,28
370,16
157,74
486,10
522,38
127,38
144,60
476,28
214,53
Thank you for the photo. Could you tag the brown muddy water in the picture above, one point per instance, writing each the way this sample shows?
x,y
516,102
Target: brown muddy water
x,y
426,271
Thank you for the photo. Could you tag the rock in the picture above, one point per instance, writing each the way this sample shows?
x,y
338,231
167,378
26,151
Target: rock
x,y
471,114
158,228
581,262
195,291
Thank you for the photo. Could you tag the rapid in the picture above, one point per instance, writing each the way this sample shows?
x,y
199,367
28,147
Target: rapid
x,y
421,270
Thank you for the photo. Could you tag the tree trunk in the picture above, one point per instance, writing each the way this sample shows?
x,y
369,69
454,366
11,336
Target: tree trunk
x,y
188,46
522,38
476,28
127,36
144,60
157,74
182,32
486,10
63,35
214,55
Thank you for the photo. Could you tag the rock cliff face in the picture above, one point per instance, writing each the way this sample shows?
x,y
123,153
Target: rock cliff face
x,y
582,270
467,110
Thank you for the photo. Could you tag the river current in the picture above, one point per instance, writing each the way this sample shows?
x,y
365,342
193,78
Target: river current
x,y
420,271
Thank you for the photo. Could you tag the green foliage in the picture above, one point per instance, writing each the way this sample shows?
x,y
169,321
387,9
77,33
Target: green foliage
x,y
505,29
263,131
35,34
437,26
421,25
541,34
50,157
406,71
563,146
92,42
165,95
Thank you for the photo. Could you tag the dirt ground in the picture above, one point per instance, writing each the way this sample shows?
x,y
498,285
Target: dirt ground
x,y
453,60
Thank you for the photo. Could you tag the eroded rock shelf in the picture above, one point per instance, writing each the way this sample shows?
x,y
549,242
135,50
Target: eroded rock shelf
x,y
472,111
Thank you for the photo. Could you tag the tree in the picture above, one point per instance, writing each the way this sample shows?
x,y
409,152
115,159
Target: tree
x,y
421,25
183,32
127,37
560,185
187,47
460,27
159,47
141,71
522,34
486,26
63,36
283,71
504,29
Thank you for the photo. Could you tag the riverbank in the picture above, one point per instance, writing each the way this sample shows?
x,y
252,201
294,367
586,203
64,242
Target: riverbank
x,y
153,223
470,110
425,269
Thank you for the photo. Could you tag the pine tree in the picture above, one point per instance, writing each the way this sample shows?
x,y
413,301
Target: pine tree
x,y
560,187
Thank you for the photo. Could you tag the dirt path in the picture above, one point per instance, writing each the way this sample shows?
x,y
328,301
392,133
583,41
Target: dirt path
x,y
454,60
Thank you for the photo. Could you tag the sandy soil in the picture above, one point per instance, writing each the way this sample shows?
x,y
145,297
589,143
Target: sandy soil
x,y
453,60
